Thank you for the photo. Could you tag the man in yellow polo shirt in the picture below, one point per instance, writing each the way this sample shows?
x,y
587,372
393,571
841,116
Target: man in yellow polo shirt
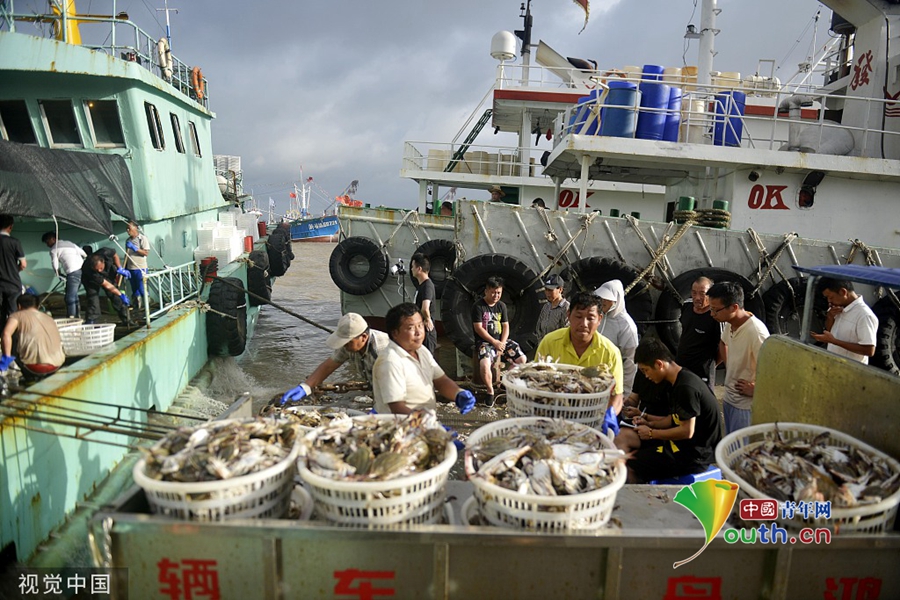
x,y
579,344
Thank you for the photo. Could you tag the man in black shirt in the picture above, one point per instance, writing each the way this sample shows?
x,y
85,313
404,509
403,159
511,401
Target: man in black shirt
x,y
98,274
12,260
490,320
420,267
698,348
682,442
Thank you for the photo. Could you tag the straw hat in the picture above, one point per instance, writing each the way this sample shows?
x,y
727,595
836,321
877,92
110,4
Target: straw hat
x,y
496,188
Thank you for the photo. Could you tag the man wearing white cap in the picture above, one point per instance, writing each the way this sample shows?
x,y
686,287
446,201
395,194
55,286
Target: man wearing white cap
x,y
619,328
353,341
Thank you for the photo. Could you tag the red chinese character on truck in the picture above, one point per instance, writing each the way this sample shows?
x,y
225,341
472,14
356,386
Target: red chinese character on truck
x,y
364,590
693,588
190,579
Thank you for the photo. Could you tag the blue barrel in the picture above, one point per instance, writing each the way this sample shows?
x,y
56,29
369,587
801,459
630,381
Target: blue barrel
x,y
654,104
728,124
581,120
673,116
620,122
652,73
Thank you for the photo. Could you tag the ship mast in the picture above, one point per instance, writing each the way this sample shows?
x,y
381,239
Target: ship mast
x,y
706,52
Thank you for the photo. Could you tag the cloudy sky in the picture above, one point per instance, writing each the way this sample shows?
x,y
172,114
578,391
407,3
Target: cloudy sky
x,y
337,86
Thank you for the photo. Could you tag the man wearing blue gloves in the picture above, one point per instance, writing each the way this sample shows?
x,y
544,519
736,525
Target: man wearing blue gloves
x,y
406,374
352,341
136,250
96,276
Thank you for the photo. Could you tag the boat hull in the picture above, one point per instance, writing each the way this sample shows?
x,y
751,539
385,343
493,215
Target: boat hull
x,y
318,229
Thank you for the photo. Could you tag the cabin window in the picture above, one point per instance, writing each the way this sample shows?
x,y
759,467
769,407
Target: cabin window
x,y
155,125
195,141
59,119
106,126
15,124
176,132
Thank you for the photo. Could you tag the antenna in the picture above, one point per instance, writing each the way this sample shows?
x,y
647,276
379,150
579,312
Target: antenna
x,y
168,30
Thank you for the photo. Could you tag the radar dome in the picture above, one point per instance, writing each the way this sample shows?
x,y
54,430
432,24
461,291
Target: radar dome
x,y
503,45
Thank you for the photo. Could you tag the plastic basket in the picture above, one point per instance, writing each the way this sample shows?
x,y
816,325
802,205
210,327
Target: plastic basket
x,y
550,514
349,411
64,323
871,518
264,494
80,340
394,504
522,401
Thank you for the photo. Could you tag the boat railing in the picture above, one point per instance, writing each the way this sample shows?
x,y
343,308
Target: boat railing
x,y
706,107
168,288
114,35
501,161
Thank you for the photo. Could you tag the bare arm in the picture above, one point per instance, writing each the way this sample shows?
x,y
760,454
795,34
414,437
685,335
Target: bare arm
x,y
326,368
504,332
111,288
481,332
682,431
22,263
828,338
722,354
426,315
399,408
446,387
11,325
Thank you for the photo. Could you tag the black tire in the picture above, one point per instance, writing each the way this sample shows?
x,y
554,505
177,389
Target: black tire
x,y
784,310
442,256
466,285
258,278
668,307
887,338
588,274
358,266
277,247
226,335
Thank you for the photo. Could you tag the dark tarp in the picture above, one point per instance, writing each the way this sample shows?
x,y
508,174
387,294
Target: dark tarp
x,y
79,188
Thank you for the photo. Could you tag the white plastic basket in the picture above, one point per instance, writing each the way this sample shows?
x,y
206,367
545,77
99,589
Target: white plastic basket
x,y
264,494
394,504
349,411
64,323
871,518
522,401
80,340
550,514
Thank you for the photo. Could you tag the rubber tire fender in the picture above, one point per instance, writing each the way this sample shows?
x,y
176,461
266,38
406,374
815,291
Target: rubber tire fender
x,y
594,271
275,247
258,278
784,310
668,308
442,256
226,335
887,336
358,266
466,285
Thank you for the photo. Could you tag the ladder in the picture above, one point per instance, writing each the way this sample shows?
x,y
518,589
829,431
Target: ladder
x,y
460,152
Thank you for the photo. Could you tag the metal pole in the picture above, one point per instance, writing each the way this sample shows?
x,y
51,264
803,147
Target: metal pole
x,y
706,52
808,308
582,184
167,10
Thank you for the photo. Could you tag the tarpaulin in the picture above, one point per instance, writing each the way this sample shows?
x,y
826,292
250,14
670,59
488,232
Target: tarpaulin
x,y
79,188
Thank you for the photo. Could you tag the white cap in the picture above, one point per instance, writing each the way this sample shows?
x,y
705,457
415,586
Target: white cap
x,y
349,326
606,293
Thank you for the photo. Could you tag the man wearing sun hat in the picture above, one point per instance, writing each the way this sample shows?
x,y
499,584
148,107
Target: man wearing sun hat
x,y
554,314
352,341
497,194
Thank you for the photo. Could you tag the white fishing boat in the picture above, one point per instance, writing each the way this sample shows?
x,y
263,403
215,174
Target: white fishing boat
x,y
686,171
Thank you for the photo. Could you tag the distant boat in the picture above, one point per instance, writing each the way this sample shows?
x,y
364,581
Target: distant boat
x,y
305,228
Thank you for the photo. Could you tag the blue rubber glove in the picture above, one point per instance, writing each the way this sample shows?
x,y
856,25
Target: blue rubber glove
x,y
465,401
124,298
124,272
610,421
131,246
298,393
6,361
460,446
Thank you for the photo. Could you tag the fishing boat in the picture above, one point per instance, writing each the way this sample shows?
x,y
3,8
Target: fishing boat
x,y
101,123
737,178
308,228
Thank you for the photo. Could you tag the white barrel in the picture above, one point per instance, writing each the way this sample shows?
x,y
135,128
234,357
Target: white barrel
x,y
695,122
672,75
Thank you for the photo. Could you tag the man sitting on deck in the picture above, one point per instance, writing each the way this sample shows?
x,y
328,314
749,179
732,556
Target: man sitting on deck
x,y
353,341
580,344
35,338
406,374
490,320
682,442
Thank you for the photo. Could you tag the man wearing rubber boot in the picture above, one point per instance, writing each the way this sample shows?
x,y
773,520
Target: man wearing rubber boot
x,y
96,276
352,341
490,319
579,344
136,250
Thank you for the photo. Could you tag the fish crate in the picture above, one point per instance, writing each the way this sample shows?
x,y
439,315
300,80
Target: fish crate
x,y
417,499
264,494
523,401
877,517
502,507
81,340
69,322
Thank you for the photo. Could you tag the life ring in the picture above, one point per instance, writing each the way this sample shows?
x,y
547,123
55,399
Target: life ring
x,y
442,256
164,56
604,78
258,281
358,266
887,336
588,274
466,285
226,333
668,308
197,82
784,310
279,253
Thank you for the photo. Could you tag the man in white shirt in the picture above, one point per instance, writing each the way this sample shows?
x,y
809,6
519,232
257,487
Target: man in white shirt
x,y
850,325
405,375
742,337
71,258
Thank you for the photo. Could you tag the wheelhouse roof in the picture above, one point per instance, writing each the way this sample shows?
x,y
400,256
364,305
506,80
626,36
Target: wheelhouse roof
x,y
885,276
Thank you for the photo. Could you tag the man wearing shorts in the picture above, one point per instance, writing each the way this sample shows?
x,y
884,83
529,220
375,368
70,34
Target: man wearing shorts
x,y
490,319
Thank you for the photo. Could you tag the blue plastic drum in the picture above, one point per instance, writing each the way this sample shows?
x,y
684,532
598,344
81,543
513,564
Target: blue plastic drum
x,y
673,116
654,104
620,122
728,124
